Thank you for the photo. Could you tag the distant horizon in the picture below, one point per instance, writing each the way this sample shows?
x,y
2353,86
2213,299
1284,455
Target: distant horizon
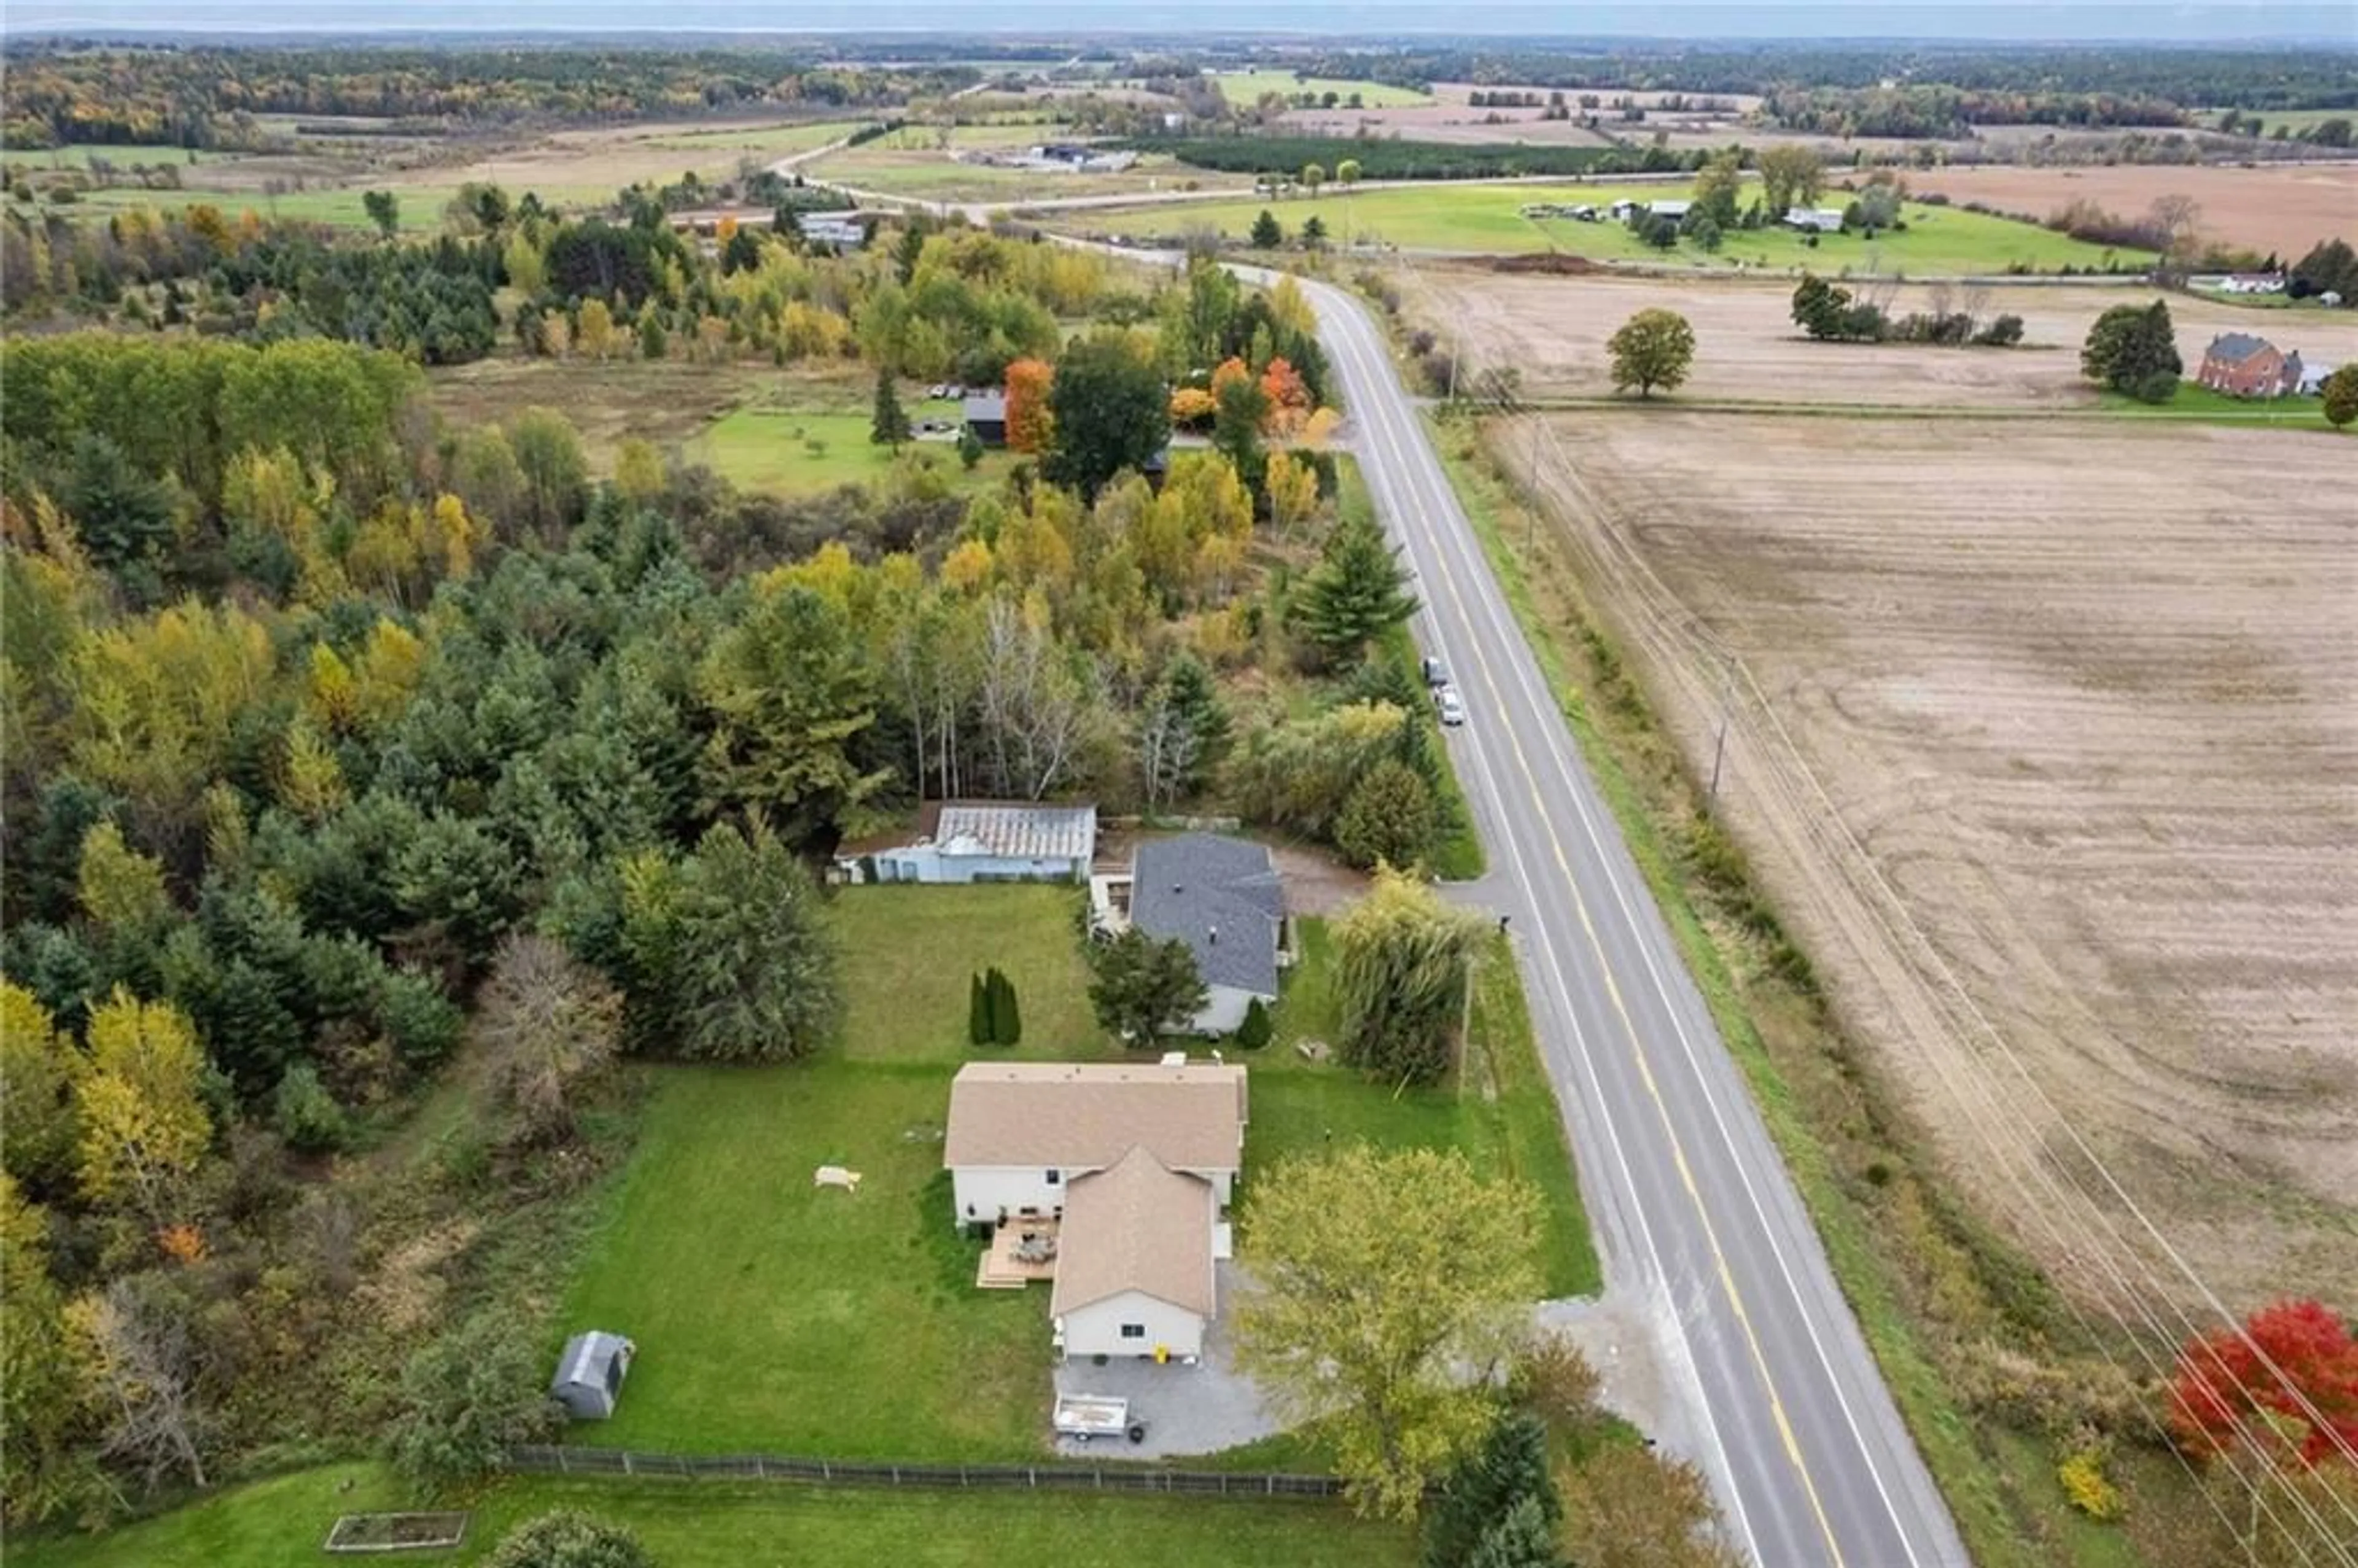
x,y
2206,24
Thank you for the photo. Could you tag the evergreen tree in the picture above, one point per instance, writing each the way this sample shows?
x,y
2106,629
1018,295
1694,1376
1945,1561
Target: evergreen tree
x,y
1509,1470
1520,1538
1007,1016
1358,591
970,449
2145,365
977,1012
1255,1030
1268,233
889,426
1144,989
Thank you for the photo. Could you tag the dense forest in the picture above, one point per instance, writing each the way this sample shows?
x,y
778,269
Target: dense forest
x,y
61,94
2188,78
343,749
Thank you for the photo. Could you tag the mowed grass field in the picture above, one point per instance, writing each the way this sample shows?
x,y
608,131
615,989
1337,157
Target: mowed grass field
x,y
775,1317
794,451
1488,218
698,1525
1244,89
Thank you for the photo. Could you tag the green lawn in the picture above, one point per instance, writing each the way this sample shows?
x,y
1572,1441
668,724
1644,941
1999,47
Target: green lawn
x,y
701,1525
1488,218
2201,405
1501,1111
1244,89
913,949
791,451
764,1305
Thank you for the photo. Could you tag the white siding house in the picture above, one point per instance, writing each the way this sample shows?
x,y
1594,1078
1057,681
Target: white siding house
x,y
981,841
1131,1323
1138,1164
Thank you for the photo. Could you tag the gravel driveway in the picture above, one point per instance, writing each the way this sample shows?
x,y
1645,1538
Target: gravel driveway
x,y
1187,1410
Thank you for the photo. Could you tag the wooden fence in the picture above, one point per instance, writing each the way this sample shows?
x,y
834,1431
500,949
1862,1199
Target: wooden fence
x,y
566,1460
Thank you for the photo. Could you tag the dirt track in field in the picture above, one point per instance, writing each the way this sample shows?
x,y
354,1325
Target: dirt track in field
x,y
1554,329
2285,208
2082,702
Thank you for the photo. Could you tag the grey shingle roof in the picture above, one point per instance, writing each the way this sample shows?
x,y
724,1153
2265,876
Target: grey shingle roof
x,y
989,407
1221,896
1019,831
2235,347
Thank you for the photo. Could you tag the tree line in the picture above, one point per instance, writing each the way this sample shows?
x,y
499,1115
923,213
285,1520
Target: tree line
x,y
69,92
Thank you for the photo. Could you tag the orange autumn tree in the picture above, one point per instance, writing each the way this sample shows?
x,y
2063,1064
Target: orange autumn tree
x,y
1288,398
2286,1383
1229,369
1027,404
1192,408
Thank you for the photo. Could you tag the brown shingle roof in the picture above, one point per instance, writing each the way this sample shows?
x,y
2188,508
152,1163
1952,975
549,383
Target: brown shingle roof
x,y
1085,1117
1138,1225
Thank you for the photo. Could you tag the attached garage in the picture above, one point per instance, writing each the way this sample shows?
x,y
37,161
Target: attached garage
x,y
1134,1269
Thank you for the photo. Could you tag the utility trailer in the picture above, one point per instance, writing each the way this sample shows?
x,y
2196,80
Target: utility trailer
x,y
1085,1416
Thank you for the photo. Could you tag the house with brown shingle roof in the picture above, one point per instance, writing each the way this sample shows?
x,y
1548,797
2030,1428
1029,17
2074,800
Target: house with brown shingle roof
x,y
1133,1163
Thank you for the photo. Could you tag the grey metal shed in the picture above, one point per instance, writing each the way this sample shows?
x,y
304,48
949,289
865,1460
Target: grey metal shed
x,y
589,1374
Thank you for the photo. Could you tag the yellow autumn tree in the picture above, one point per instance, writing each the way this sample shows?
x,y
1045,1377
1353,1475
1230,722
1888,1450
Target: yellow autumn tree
x,y
142,1126
638,470
392,662
38,1065
967,568
332,694
1293,492
311,783
593,330
119,888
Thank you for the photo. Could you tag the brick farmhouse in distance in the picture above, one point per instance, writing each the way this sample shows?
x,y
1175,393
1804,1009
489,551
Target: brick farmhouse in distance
x,y
2242,365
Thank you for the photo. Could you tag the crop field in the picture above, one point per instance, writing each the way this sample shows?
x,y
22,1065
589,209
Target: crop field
x,y
79,154
2285,208
1486,218
1554,330
2047,734
1245,87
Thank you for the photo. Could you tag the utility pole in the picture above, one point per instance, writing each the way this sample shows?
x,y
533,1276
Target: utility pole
x,y
1719,739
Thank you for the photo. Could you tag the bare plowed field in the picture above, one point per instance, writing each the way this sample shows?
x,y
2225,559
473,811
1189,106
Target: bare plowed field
x,y
1746,348
2045,739
2285,208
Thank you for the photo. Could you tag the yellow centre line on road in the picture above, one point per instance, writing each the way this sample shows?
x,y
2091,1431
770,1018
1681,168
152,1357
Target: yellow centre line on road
x,y
1645,1070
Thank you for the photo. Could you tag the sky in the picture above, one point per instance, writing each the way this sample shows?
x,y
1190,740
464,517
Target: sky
x,y
1990,20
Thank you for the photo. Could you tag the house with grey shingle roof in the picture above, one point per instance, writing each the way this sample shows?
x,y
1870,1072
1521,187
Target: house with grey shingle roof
x,y
994,842
2243,365
1223,897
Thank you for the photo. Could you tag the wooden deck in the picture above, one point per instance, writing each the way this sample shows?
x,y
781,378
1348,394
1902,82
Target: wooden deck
x,y
1015,1258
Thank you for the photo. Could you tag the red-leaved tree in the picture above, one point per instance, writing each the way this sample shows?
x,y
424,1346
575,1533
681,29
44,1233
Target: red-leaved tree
x,y
1027,404
2225,1392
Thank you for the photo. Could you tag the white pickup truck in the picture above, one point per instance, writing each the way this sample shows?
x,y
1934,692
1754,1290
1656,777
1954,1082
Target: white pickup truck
x,y
1084,1416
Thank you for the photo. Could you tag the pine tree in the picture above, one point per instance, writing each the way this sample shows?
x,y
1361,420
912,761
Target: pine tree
x,y
977,1012
1358,590
1520,1538
1268,233
1488,1486
1254,1032
890,428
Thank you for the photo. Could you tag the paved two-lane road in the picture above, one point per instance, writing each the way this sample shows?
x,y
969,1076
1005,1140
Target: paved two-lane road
x,y
1695,1208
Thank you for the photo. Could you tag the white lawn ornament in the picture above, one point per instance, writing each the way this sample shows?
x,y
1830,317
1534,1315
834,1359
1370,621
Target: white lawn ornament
x,y
835,1176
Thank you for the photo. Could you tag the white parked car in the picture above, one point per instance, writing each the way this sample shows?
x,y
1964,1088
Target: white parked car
x,y
1452,706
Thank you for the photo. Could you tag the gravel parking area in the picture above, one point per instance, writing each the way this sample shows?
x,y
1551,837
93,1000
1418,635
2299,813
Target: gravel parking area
x,y
1187,1410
